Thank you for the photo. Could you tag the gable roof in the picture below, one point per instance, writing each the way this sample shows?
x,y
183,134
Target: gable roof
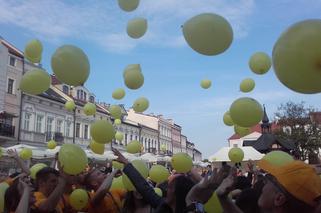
x,y
256,128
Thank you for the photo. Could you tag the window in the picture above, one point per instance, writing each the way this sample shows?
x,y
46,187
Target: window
x,y
59,125
27,121
235,145
91,99
65,89
49,124
10,86
78,94
39,123
86,132
136,137
12,61
85,96
131,137
126,139
77,130
68,125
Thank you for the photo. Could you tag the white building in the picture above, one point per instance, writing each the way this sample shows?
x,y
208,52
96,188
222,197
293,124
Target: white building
x,y
176,138
165,134
190,149
149,139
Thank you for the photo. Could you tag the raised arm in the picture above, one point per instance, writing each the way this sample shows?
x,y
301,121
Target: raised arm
x,y
23,206
139,182
14,154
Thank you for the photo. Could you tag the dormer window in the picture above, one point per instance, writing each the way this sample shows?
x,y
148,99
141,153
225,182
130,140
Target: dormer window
x,y
65,89
92,99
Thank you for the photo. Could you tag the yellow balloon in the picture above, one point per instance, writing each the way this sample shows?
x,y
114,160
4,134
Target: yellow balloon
x,y
242,131
141,168
158,191
236,154
247,85
296,57
136,27
102,131
25,153
260,63
70,65
117,165
133,76
51,144
97,148
72,158
213,205
35,82
78,199
158,173
182,162
115,111
227,119
208,33
117,183
128,5
246,112
278,158
117,121
141,104
118,94
70,105
163,147
205,84
119,136
90,109
33,51
133,147
36,168
3,187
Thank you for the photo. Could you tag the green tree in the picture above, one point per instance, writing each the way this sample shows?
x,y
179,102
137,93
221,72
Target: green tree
x,y
297,126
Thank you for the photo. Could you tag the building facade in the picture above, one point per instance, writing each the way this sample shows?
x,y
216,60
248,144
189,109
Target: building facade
x,y
165,134
197,155
176,138
183,143
190,149
149,139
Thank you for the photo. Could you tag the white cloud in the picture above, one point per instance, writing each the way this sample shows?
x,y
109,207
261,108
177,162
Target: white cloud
x,y
104,23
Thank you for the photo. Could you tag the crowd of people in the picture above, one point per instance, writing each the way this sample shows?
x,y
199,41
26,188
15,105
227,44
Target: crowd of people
x,y
293,187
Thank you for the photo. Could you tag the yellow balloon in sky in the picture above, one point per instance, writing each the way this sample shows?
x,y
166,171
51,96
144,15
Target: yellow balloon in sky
x,y
227,119
33,51
25,154
236,154
118,93
35,82
115,111
242,131
260,63
136,27
36,168
117,122
141,104
51,144
158,173
70,65
97,148
208,33
102,131
119,136
128,5
182,162
247,85
278,158
90,109
246,112
78,199
72,158
133,147
133,76
205,84
70,105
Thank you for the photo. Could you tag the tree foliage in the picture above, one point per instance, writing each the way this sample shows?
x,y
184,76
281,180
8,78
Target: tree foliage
x,y
297,126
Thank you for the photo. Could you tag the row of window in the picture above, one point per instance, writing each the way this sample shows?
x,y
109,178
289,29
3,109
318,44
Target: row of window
x,y
165,131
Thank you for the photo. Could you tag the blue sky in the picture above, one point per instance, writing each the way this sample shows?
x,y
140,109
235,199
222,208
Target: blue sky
x,y
172,70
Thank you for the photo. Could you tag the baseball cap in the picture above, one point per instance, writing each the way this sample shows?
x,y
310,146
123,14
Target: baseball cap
x,y
298,178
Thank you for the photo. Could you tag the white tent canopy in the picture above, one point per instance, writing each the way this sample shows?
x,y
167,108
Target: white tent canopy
x,y
37,152
149,157
249,154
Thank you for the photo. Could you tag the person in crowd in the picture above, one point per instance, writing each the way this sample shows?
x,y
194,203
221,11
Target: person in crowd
x,y
178,187
102,198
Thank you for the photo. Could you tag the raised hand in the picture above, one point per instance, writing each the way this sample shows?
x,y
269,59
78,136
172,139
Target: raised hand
x,y
12,153
120,157
227,185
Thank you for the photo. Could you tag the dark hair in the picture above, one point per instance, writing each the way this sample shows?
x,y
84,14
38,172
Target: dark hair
x,y
242,183
295,205
247,201
12,197
129,203
163,186
43,174
182,186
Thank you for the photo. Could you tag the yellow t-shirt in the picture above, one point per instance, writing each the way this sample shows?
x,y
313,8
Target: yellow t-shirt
x,y
111,203
39,197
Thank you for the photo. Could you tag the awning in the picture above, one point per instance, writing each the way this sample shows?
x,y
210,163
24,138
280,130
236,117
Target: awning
x,y
249,154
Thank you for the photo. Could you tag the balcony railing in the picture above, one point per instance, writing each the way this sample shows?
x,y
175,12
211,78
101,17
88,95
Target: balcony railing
x,y
7,130
57,136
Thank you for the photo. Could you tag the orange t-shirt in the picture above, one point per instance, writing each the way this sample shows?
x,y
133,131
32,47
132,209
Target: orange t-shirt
x,y
39,197
111,203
